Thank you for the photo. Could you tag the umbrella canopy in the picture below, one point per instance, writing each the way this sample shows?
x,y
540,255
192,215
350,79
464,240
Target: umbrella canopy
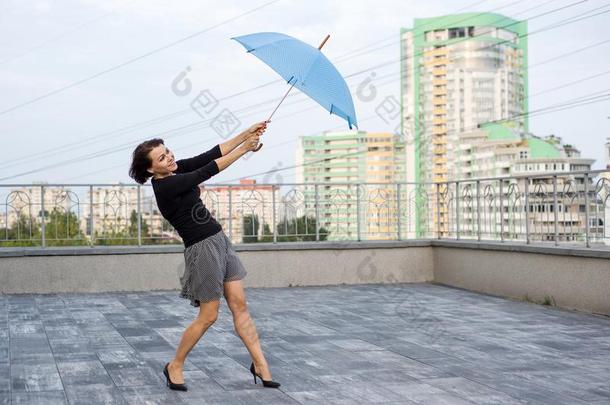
x,y
305,68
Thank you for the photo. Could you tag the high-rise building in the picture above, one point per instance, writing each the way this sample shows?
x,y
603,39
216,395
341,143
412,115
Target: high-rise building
x,y
338,161
457,72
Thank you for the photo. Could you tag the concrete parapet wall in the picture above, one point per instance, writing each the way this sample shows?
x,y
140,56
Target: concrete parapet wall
x,y
571,277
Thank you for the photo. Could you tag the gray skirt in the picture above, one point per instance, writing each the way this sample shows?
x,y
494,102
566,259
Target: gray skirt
x,y
209,263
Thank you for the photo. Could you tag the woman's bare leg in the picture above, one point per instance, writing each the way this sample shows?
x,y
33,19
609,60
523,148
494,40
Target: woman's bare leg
x,y
244,325
208,313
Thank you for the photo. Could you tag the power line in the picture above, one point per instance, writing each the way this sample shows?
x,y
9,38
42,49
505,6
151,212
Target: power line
x,y
340,57
192,126
199,125
281,117
468,38
578,102
422,33
453,23
572,103
135,59
97,138
118,132
59,36
224,22
569,53
570,83
273,146
105,136
184,129
561,23
410,56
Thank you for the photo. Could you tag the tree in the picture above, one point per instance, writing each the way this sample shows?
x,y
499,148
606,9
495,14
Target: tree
x,y
62,229
133,226
267,234
250,228
25,231
300,229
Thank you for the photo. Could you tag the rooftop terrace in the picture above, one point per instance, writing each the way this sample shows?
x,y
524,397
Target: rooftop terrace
x,y
416,343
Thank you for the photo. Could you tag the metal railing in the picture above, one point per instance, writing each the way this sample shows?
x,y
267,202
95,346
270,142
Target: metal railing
x,y
556,208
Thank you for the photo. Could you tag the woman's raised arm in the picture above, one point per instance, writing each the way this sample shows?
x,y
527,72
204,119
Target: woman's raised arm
x,y
183,182
250,144
196,162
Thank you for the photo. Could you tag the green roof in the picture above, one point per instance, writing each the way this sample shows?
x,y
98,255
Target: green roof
x,y
538,148
541,149
498,132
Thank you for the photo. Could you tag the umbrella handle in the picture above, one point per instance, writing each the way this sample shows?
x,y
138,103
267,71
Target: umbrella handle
x,y
323,42
261,144
269,119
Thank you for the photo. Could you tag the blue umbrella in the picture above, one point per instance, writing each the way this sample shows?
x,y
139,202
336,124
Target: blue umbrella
x,y
305,68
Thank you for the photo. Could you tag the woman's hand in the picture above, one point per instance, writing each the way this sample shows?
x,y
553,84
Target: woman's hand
x,y
256,129
251,143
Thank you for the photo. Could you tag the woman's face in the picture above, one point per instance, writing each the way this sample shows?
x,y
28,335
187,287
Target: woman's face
x,y
163,162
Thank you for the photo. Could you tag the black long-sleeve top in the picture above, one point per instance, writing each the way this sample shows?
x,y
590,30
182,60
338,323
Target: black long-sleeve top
x,y
178,197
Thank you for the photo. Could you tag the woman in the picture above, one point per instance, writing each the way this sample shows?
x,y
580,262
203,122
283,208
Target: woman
x,y
212,266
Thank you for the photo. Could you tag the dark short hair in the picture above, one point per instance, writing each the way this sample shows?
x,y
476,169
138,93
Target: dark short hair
x,y
140,161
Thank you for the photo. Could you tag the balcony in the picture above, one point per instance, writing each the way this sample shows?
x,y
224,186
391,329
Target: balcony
x,y
435,52
436,62
439,91
432,292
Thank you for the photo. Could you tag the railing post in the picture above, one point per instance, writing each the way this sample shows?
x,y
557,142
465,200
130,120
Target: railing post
x,y
92,233
501,212
478,210
42,216
230,214
527,211
317,204
438,211
587,240
139,215
555,207
273,213
358,211
457,210
398,219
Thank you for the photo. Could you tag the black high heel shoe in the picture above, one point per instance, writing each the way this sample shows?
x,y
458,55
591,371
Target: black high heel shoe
x,y
170,384
266,383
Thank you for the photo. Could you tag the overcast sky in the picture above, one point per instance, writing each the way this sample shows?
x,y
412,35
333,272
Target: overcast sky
x,y
46,46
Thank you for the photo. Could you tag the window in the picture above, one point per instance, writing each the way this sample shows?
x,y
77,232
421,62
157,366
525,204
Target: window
x,y
457,32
